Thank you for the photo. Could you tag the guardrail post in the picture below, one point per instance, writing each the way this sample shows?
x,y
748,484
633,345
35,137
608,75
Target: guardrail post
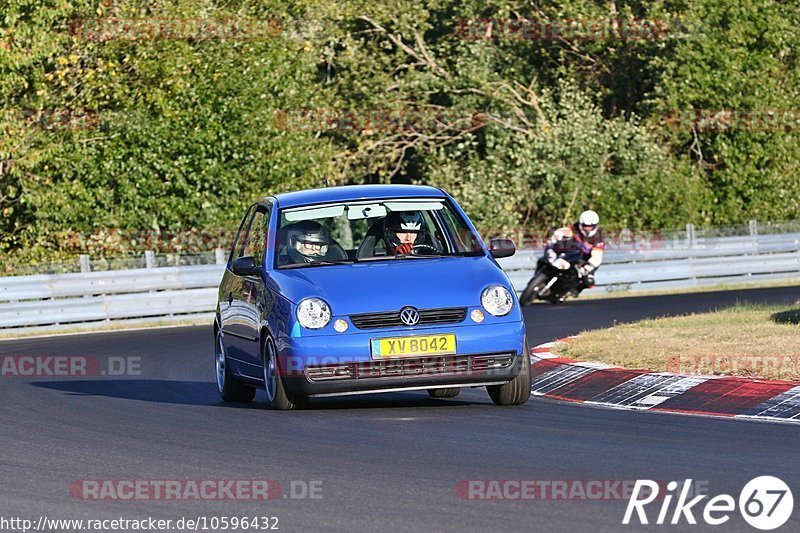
x,y
690,234
753,224
626,237
86,266
149,259
797,243
219,256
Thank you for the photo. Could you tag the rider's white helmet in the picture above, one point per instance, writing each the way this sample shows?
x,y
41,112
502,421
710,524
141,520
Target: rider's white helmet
x,y
589,222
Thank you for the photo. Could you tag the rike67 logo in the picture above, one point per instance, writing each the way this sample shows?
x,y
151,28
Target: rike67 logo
x,y
765,503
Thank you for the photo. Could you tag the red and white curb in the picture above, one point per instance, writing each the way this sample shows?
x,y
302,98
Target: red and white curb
x,y
623,388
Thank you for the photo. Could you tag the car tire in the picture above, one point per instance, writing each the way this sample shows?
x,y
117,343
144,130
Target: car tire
x,y
450,392
531,292
518,390
230,389
278,397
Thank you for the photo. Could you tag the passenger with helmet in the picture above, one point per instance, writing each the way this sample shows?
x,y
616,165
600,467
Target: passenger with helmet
x,y
586,235
307,242
404,232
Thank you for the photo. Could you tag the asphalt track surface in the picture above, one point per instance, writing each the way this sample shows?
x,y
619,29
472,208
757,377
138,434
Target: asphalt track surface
x,y
387,462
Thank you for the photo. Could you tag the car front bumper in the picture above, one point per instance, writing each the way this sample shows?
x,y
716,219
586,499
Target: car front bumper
x,y
486,354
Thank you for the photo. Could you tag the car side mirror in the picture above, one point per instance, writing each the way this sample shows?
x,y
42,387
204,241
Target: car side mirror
x,y
502,248
245,266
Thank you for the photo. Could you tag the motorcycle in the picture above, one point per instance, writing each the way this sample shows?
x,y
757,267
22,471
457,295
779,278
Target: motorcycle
x,y
556,277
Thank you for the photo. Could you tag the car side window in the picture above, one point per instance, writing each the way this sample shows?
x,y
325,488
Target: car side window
x,y
254,242
434,233
463,239
240,235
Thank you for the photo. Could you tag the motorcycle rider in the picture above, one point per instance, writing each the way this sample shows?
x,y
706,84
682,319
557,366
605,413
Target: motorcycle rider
x,y
586,235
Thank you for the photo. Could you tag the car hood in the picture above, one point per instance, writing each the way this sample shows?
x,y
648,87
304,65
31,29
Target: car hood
x,y
392,284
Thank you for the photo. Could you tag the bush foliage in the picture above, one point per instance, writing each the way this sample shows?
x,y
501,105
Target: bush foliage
x,y
180,133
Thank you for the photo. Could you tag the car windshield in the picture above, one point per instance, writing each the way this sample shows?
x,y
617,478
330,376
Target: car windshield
x,y
377,230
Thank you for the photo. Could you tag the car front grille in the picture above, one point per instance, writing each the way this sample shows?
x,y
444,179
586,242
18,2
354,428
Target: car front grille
x,y
413,366
427,317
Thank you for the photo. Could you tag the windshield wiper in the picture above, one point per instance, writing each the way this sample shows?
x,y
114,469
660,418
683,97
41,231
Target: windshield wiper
x,y
414,256
401,256
317,263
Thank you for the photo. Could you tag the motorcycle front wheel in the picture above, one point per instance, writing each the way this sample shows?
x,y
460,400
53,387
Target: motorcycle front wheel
x,y
535,285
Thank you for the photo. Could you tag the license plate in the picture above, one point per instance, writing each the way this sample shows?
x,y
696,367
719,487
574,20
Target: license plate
x,y
416,345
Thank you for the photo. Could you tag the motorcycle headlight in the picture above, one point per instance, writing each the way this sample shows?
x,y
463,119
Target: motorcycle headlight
x,y
313,313
561,264
497,300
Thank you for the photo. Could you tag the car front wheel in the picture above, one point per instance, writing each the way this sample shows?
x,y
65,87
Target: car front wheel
x,y
518,390
277,395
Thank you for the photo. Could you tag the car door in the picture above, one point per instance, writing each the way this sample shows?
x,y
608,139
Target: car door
x,y
230,285
247,295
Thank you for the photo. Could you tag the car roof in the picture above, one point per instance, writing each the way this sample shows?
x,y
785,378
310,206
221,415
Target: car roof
x,y
355,192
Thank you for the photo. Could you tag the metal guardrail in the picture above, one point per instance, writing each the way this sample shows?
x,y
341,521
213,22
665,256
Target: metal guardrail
x,y
142,280
706,262
189,291
109,295
111,307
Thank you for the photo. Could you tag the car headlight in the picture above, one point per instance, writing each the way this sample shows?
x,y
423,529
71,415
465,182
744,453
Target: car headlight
x,y
313,313
497,300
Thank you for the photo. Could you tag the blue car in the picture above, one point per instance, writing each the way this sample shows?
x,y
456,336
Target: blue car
x,y
366,289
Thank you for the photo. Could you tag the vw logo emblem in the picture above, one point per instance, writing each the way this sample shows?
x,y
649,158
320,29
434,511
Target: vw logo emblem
x,y
409,316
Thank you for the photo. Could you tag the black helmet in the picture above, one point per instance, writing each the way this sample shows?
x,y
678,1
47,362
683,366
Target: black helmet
x,y
403,222
307,241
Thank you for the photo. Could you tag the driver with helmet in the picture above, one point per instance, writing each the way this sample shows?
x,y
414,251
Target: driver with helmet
x,y
404,232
